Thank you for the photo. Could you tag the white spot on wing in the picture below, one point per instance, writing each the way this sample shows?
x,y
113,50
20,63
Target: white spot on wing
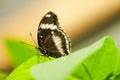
x,y
41,36
52,32
42,26
53,27
58,42
48,26
48,15
67,40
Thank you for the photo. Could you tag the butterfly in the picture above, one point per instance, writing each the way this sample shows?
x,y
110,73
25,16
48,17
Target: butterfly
x,y
52,40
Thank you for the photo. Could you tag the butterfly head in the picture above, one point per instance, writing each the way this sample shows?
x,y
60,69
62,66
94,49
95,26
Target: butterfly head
x,y
50,18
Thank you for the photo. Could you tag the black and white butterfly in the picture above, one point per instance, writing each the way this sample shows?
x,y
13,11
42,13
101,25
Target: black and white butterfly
x,y
52,40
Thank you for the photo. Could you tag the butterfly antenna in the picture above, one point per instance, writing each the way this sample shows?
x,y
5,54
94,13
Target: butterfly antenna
x,y
27,44
33,39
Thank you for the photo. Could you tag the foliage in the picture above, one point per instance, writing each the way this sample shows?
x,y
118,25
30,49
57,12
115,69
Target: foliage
x,y
100,61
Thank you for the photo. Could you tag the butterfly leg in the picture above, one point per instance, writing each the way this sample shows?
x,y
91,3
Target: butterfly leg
x,y
38,58
38,54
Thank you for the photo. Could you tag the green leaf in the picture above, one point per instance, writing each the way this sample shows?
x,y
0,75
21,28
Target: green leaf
x,y
18,52
117,77
116,74
118,67
3,75
101,63
23,71
95,62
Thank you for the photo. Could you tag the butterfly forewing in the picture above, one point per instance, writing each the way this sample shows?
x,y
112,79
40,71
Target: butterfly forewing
x,y
52,40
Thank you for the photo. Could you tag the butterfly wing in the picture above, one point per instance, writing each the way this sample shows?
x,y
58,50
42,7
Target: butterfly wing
x,y
52,40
